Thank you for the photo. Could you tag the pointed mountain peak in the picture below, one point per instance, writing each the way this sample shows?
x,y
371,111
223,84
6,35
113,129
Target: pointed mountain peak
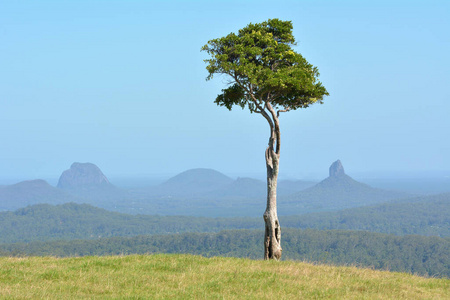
x,y
336,169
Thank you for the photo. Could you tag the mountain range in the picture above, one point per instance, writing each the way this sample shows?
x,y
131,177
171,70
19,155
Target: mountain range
x,y
196,192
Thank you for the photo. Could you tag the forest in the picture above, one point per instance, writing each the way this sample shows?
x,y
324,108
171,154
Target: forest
x,y
426,256
403,236
426,215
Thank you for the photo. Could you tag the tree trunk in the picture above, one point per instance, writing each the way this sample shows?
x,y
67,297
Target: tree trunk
x,y
272,239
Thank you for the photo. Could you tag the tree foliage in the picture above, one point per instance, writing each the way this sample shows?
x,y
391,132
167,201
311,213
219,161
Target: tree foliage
x,y
264,69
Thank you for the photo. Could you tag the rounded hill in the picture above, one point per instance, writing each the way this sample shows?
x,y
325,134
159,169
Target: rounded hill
x,y
195,181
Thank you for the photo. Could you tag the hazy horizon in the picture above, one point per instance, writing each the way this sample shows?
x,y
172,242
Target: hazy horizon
x,y
312,176
413,183
122,85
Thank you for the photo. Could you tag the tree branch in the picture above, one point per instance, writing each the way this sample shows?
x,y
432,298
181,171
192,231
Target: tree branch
x,y
276,126
260,110
283,110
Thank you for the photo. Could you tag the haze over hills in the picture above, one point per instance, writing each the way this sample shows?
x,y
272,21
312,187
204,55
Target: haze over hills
x,y
206,192
210,183
32,192
87,181
82,176
201,192
193,183
246,196
337,191
242,187
82,183
254,188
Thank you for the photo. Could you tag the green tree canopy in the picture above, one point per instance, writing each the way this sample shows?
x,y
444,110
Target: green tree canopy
x,y
264,69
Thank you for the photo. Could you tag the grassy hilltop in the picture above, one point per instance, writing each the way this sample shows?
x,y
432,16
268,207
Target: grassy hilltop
x,y
193,277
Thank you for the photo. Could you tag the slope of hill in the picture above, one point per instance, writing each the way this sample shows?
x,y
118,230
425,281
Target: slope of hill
x,y
70,221
338,191
195,277
241,187
253,188
287,187
416,254
32,192
193,182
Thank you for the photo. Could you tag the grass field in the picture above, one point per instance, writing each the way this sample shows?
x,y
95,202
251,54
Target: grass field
x,y
195,277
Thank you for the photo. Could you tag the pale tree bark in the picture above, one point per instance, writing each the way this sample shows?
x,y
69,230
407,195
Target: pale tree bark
x,y
272,238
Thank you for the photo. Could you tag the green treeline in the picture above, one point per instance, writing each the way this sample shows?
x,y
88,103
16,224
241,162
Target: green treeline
x,y
415,254
428,216
81,229
44,222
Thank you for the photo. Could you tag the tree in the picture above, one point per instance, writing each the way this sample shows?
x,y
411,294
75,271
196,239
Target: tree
x,y
267,77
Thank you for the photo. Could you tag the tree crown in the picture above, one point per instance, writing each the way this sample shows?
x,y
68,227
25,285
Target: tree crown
x,y
264,69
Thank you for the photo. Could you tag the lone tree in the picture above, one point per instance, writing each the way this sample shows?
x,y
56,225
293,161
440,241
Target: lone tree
x,y
268,78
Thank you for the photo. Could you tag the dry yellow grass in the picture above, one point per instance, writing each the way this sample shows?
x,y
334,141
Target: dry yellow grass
x,y
194,277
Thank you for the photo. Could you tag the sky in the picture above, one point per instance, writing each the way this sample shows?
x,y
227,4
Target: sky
x,y
121,84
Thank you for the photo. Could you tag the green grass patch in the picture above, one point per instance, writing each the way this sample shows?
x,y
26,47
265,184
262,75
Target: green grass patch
x,y
196,277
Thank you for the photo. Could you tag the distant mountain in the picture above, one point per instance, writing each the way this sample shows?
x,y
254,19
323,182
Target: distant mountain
x,y
82,176
32,192
193,182
86,180
82,183
338,191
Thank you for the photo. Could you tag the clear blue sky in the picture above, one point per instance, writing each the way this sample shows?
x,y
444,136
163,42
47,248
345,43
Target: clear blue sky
x,y
122,84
